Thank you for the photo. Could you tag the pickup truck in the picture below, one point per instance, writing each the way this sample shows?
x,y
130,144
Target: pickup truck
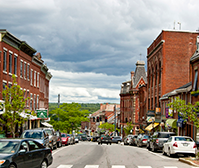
x,y
105,139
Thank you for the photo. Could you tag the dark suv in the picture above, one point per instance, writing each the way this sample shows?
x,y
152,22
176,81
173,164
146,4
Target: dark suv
x,y
157,140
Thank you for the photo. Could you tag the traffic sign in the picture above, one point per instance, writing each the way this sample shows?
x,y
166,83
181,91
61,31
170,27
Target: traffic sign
x,y
41,113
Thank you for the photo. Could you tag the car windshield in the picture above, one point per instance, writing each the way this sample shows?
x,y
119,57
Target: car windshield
x,y
32,134
163,135
145,136
63,135
183,139
8,147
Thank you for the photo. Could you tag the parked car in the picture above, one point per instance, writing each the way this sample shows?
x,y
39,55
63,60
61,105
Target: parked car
x,y
138,139
71,139
59,140
76,139
89,138
16,153
142,141
127,139
64,138
157,140
95,138
180,145
104,139
52,137
116,139
38,135
132,140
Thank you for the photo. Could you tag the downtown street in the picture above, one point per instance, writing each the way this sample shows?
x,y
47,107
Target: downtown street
x,y
91,155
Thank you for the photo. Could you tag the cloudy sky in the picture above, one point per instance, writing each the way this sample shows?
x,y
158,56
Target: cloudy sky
x,y
91,46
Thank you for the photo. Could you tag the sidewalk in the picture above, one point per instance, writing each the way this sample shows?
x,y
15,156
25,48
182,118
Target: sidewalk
x,y
190,160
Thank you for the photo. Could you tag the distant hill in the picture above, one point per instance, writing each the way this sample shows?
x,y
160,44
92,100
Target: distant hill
x,y
92,107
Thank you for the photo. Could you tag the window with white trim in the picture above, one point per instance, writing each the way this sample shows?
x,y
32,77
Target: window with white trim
x,y
24,70
37,101
4,60
31,77
10,62
15,64
38,79
34,102
28,69
35,73
30,101
21,69
27,101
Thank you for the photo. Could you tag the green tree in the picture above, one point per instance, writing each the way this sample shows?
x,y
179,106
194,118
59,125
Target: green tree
x,y
107,127
14,104
128,128
68,117
186,111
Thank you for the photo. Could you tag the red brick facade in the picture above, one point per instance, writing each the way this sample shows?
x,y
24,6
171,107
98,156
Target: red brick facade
x,y
168,64
17,57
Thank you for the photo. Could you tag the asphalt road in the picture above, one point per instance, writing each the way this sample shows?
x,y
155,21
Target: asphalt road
x,y
92,155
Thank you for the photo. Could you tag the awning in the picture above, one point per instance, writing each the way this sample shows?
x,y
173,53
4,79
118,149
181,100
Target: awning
x,y
151,126
46,124
171,123
28,116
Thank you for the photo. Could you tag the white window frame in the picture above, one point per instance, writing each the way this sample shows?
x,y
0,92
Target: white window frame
x,y
38,79
24,69
31,77
15,66
21,68
35,75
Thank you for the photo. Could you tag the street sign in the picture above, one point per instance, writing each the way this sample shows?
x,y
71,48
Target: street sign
x,y
42,113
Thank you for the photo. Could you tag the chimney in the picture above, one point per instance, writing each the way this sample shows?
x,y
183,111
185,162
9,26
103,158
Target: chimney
x,y
132,75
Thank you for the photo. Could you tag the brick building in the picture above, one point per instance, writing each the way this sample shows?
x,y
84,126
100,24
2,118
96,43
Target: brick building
x,y
168,66
106,113
19,58
129,97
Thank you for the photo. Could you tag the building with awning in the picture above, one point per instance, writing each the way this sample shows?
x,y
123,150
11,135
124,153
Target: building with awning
x,y
151,126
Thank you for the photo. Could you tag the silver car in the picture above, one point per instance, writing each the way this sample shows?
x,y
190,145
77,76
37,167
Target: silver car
x,y
38,135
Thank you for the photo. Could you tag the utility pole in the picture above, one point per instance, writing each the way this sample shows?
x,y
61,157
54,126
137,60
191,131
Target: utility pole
x,y
58,104
115,119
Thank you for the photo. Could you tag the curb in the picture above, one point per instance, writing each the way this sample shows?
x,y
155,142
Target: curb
x,y
188,162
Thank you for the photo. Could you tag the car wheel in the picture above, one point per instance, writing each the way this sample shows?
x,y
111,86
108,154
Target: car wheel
x,y
169,153
163,151
12,166
110,143
44,164
153,149
55,147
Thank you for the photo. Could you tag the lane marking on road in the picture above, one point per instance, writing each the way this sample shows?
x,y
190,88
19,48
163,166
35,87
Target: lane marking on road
x,y
118,166
144,167
54,152
91,166
64,166
170,167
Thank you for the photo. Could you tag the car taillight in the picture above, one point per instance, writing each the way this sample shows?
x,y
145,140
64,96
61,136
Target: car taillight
x,y
157,141
175,144
194,146
144,140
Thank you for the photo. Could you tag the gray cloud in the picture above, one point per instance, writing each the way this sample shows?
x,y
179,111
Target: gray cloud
x,y
102,37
